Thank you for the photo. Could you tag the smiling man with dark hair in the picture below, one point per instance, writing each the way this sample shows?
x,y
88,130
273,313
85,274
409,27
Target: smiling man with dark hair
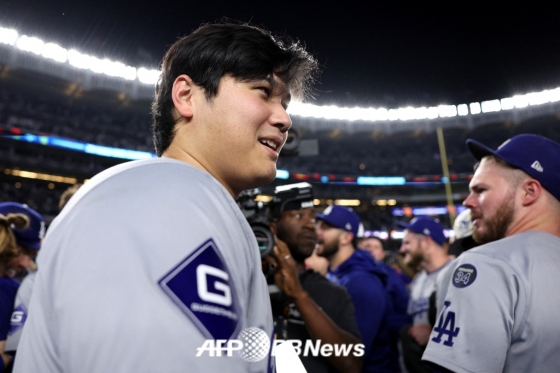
x,y
193,271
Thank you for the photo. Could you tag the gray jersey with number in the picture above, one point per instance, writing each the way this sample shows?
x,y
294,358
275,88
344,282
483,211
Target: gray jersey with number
x,y
19,316
147,262
498,310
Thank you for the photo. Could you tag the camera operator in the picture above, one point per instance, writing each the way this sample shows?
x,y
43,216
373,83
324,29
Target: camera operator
x,y
310,307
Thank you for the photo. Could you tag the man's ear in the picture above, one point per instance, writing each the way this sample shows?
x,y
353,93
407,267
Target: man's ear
x,y
531,190
182,94
426,242
346,237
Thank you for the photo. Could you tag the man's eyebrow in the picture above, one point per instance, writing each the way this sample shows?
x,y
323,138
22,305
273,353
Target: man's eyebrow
x,y
270,78
476,185
274,82
288,98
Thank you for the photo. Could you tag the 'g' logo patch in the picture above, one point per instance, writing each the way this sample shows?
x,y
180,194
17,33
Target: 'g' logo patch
x,y
201,286
464,276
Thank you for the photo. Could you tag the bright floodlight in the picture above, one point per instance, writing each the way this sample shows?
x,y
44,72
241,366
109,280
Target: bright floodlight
x,y
55,52
393,114
342,113
8,36
148,76
491,106
407,113
117,69
554,95
433,112
475,108
507,103
30,44
99,66
538,98
447,111
520,101
79,60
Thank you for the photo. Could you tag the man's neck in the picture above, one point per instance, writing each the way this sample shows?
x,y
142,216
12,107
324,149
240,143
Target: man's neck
x,y
181,155
342,255
535,220
435,263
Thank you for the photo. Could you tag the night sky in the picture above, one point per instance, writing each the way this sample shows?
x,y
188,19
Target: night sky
x,y
373,53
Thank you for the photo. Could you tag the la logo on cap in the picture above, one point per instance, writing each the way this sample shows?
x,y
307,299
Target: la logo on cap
x,y
348,226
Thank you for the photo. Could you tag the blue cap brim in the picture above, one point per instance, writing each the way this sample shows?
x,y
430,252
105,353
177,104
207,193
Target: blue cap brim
x,y
479,150
324,218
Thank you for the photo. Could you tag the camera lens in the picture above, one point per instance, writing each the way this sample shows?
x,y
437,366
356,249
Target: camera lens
x,y
265,239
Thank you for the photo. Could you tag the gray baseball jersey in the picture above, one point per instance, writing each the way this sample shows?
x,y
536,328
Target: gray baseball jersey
x,y
496,312
148,262
421,288
19,316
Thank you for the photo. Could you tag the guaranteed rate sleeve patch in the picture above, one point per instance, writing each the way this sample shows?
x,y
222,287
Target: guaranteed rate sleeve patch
x,y
18,319
201,286
464,275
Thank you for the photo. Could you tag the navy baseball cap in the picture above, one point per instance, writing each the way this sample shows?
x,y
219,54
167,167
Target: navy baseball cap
x,y
341,217
537,156
31,236
426,227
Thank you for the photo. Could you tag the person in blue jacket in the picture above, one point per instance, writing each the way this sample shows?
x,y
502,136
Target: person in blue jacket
x,y
365,280
397,306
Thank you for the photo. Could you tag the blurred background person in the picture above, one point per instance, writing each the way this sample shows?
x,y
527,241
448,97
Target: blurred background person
x,y
23,297
463,228
14,229
28,239
398,298
67,194
375,246
337,230
311,308
424,245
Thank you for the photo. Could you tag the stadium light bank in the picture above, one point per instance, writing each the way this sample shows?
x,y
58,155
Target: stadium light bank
x,y
117,69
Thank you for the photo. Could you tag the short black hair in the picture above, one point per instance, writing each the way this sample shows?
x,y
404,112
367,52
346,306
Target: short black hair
x,y
213,51
375,238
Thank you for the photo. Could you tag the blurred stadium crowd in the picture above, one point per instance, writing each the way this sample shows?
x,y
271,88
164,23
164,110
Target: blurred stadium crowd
x,y
114,120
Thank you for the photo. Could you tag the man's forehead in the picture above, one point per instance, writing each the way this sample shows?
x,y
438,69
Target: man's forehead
x,y
373,240
487,171
323,224
411,235
299,211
